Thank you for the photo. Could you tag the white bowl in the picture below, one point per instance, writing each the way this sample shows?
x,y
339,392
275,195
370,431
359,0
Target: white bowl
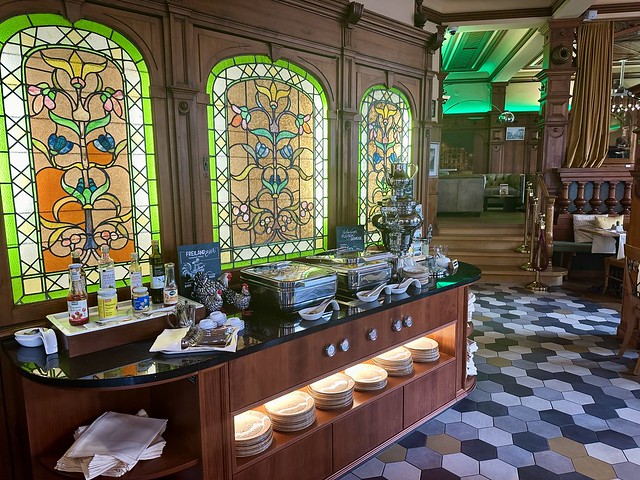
x,y
29,337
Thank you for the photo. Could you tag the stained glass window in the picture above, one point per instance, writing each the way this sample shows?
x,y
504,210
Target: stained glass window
x,y
268,143
385,136
76,151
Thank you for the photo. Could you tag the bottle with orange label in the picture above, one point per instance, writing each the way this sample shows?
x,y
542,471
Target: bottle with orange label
x,y
77,297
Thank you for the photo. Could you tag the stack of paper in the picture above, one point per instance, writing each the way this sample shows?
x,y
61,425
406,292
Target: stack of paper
x,y
170,342
113,444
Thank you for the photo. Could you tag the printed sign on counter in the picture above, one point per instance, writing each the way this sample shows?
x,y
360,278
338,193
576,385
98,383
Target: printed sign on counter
x,y
202,257
350,237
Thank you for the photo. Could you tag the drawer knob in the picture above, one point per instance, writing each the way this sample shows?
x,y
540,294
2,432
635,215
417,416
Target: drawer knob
x,y
407,321
344,344
330,350
396,325
372,334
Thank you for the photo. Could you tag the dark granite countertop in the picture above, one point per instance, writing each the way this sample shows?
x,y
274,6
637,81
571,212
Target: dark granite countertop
x,y
133,364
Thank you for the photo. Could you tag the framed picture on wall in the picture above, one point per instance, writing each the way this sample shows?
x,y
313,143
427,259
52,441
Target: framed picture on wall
x,y
434,159
515,133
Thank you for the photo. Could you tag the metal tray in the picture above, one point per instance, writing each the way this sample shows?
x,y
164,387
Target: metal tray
x,y
290,286
353,279
341,257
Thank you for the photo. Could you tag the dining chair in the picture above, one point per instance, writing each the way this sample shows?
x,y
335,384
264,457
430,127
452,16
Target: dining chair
x,y
609,262
631,298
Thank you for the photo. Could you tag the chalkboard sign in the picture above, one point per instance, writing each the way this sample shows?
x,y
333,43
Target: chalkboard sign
x,y
350,237
203,257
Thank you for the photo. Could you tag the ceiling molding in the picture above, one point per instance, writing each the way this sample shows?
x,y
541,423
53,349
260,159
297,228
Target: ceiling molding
x,y
624,7
448,18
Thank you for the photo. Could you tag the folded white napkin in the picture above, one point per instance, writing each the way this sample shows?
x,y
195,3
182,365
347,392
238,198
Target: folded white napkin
x,y
602,244
169,341
113,444
622,239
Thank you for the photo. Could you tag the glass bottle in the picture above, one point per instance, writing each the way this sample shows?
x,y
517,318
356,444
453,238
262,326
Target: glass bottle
x,y
77,297
170,290
135,273
75,259
106,268
157,273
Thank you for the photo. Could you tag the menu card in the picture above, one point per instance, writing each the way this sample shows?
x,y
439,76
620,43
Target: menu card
x,y
202,257
350,237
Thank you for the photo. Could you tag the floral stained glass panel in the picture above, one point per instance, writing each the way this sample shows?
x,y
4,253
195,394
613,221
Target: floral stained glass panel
x,y
268,142
385,137
77,165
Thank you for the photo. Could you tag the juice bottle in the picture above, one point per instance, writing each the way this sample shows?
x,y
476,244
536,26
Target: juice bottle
x,y
77,297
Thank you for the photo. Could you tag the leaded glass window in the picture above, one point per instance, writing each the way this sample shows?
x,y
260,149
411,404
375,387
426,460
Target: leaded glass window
x,y
76,152
385,137
268,143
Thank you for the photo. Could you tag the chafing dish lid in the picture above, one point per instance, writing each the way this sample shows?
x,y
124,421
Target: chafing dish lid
x,y
287,273
344,258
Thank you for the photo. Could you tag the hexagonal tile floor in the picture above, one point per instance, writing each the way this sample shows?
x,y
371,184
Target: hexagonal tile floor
x,y
553,401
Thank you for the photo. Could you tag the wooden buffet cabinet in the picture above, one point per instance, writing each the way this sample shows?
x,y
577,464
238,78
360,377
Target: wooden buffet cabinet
x,y
199,395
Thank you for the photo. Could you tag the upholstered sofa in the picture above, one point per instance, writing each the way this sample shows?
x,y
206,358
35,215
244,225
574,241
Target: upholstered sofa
x,y
460,194
515,187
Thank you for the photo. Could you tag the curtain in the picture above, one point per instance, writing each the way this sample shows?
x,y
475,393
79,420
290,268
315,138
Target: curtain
x,y
591,104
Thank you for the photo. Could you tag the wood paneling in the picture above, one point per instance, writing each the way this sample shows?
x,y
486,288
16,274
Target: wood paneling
x,y
428,393
309,458
366,428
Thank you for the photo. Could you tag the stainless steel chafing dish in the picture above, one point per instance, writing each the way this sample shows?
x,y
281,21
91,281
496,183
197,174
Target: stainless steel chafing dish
x,y
290,286
356,270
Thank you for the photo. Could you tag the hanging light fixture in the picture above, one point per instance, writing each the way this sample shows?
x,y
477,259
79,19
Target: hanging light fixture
x,y
622,99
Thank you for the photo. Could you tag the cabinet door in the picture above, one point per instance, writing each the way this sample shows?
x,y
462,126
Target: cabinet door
x,y
366,428
309,459
426,394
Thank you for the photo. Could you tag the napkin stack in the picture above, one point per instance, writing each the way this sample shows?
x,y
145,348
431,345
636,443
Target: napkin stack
x,y
113,444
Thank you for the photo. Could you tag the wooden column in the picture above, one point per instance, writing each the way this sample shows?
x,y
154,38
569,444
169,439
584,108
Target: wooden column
x,y
554,97
497,132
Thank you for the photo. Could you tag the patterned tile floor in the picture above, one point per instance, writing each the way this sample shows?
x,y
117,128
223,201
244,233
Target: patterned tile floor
x,y
553,401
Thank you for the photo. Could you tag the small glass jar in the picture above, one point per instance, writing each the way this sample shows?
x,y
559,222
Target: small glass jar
x,y
107,303
140,299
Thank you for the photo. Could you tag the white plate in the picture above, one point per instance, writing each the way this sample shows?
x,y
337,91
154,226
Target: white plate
x,y
367,373
294,403
399,354
335,384
423,343
250,424
30,337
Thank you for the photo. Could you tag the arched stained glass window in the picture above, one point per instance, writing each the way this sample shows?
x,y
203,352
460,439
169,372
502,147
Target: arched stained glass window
x,y
385,136
76,151
268,143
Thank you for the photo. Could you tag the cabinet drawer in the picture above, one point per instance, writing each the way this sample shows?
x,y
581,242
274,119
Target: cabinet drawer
x,y
309,458
366,428
263,374
424,395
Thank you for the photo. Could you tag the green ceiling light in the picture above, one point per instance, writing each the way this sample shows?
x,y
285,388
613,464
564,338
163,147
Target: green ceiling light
x,y
505,116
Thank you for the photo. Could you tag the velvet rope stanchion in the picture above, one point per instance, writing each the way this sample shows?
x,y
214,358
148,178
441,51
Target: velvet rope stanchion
x,y
533,215
525,247
539,261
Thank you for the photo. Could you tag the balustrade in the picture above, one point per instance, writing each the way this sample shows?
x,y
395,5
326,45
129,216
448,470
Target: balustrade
x,y
599,179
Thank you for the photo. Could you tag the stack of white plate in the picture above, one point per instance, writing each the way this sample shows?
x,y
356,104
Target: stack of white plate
x,y
367,377
253,433
424,350
419,272
396,362
333,392
291,412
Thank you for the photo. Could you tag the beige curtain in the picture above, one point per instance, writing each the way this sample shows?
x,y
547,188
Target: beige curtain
x,y
591,104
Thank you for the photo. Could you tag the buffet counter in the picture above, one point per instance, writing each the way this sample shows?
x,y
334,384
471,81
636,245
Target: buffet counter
x,y
201,393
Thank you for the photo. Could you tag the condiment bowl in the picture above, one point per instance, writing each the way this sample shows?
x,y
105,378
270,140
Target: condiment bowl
x,y
29,337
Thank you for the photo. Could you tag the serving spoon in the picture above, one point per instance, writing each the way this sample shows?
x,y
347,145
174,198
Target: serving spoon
x,y
375,292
